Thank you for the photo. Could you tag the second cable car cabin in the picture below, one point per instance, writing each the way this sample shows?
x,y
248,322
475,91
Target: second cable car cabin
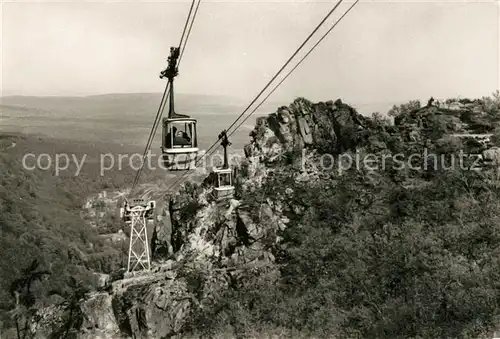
x,y
224,188
180,145
179,137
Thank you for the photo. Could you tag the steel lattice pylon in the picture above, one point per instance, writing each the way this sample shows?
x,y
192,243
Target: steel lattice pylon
x,y
138,253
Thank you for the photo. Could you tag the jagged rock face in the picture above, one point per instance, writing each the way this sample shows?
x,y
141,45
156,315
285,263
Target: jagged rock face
x,y
457,119
100,321
230,233
155,310
329,126
307,128
219,241
46,320
227,233
492,155
161,242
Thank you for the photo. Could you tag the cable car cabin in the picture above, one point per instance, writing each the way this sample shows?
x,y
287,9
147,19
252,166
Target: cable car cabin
x,y
138,205
180,143
224,188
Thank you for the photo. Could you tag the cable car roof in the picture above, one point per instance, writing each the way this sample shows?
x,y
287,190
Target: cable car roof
x,y
222,170
188,119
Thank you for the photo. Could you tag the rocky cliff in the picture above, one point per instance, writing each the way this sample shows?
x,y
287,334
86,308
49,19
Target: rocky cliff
x,y
203,247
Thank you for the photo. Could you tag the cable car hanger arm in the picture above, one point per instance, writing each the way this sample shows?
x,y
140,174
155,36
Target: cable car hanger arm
x,y
165,96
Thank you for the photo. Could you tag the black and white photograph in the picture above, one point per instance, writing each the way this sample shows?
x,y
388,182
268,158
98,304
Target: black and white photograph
x,y
175,169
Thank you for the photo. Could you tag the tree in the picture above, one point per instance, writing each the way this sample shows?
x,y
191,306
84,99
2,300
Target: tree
x,y
495,138
404,108
492,104
379,119
73,314
25,299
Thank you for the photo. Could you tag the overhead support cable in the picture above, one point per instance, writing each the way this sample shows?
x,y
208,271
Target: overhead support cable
x,y
297,65
282,68
276,87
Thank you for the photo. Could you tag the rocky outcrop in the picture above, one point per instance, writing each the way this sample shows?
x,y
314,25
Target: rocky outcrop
x,y
153,310
161,242
99,321
329,126
211,244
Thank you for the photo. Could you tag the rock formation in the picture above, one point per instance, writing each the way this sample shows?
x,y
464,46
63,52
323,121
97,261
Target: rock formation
x,y
202,246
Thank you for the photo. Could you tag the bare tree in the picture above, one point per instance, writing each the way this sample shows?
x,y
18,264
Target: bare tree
x,y
21,289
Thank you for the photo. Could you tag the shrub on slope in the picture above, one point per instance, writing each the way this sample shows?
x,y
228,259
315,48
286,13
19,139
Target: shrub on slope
x,y
39,219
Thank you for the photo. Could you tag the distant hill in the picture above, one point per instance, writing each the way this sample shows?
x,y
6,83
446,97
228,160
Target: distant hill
x,y
126,104
120,118
127,118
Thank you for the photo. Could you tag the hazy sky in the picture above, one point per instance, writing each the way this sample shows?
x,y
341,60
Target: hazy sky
x,y
381,51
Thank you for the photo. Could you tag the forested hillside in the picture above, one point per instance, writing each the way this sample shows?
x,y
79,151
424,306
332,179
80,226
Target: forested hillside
x,y
40,219
404,246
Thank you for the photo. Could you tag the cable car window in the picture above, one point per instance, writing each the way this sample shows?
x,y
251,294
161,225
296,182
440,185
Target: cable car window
x,y
224,179
176,136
